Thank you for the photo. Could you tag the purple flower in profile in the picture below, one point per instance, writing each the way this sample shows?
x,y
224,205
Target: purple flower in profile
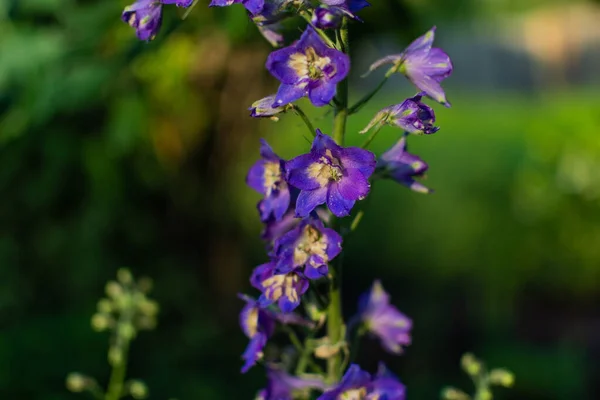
x,y
411,115
330,174
267,177
307,247
307,68
258,325
285,289
383,320
424,66
263,108
327,18
267,21
145,16
253,6
347,7
357,384
398,164
282,386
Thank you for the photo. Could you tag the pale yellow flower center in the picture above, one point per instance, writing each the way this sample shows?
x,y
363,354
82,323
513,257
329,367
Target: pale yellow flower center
x,y
311,242
327,169
308,64
281,285
354,394
272,177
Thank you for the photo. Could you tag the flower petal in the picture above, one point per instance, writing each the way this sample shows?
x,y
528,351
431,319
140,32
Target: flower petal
x,y
308,200
354,185
278,64
298,172
287,94
339,206
361,159
322,94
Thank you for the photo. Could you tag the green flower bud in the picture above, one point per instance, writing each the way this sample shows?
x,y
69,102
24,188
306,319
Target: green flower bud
x,y
126,331
148,307
451,393
115,355
76,382
470,364
485,394
138,390
113,290
501,377
101,322
104,306
124,276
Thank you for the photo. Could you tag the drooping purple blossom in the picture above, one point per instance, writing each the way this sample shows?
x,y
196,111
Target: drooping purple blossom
x,y
268,21
403,167
327,18
411,115
357,384
338,176
258,325
253,6
285,289
308,248
282,386
347,7
307,68
383,320
263,108
424,66
146,16
267,177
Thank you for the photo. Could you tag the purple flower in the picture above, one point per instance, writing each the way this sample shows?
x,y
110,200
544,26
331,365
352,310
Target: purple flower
x,y
411,115
285,289
258,325
267,178
264,108
327,18
145,16
274,228
253,6
330,174
348,7
357,384
384,320
403,167
424,66
309,246
282,386
307,68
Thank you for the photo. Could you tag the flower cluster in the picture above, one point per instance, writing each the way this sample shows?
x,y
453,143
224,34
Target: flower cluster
x,y
304,200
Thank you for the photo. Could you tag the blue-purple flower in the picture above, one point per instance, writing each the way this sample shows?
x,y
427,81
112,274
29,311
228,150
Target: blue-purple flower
x,y
146,16
403,167
282,386
307,68
347,7
258,325
411,115
308,248
383,320
267,177
263,108
338,176
357,384
285,289
424,66
253,6
327,18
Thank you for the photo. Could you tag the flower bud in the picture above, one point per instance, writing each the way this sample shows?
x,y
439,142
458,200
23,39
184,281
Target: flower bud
x,y
138,390
451,393
501,377
470,364
325,18
264,108
113,290
124,276
325,349
104,306
115,355
126,331
76,382
484,394
148,307
101,322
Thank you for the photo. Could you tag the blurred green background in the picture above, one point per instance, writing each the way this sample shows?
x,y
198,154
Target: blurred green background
x,y
119,153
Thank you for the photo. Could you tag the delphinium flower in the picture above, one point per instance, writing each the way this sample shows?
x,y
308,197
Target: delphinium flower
x,y
267,177
253,6
398,164
146,16
268,20
424,66
308,68
285,289
383,320
283,386
258,325
338,176
357,384
345,7
308,248
411,115
263,108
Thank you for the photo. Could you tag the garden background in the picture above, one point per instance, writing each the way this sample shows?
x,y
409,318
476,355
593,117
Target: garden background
x,y
119,153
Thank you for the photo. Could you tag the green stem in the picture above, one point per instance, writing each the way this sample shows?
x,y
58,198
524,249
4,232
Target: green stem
x,y
321,33
371,137
334,311
360,103
306,120
117,376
